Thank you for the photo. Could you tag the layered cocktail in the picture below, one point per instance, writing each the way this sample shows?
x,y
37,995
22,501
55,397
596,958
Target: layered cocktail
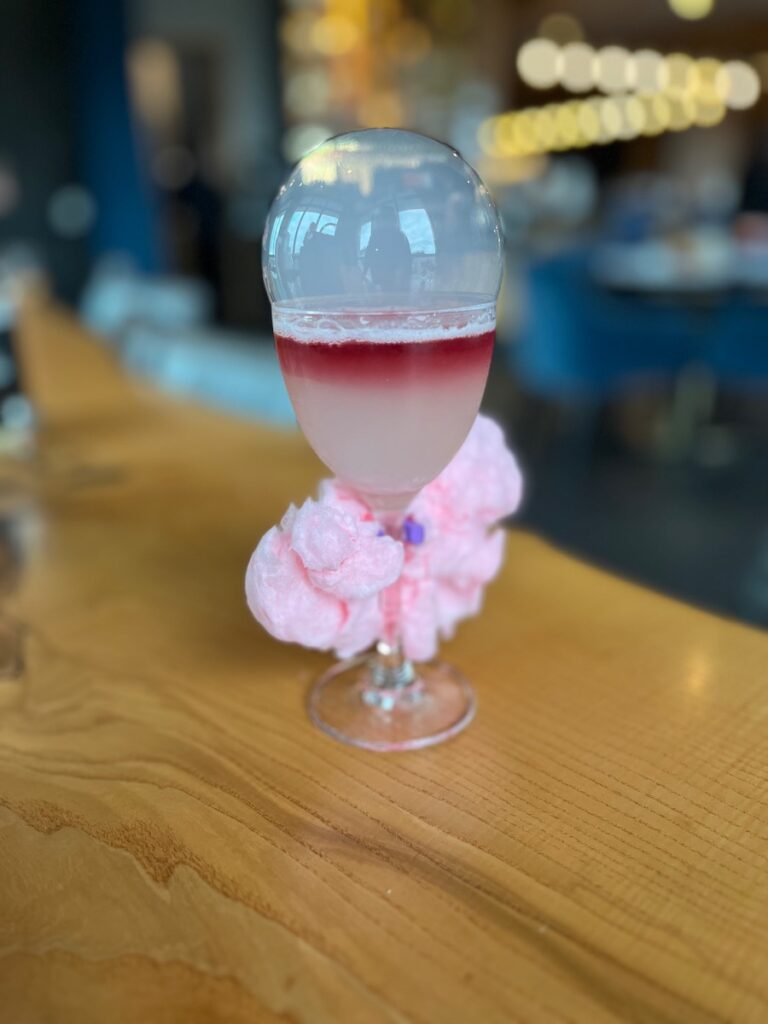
x,y
386,398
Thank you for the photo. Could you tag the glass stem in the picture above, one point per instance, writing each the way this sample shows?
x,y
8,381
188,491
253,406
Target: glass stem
x,y
390,670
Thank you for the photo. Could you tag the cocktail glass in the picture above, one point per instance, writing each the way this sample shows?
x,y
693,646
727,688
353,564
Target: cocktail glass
x,y
383,260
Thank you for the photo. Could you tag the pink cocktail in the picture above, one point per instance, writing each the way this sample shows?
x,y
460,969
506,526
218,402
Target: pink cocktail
x,y
386,402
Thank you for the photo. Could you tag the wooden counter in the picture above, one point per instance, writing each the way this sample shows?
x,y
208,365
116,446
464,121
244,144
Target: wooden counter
x,y
178,844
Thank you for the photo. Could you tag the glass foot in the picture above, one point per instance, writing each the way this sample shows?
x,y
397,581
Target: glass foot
x,y
349,704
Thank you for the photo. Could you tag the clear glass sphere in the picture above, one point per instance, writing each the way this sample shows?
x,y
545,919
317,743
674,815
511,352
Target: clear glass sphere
x,y
382,217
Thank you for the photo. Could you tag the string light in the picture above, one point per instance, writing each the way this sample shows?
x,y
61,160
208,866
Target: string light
x,y
647,72
657,114
595,106
567,123
524,132
597,120
610,119
544,128
708,114
578,67
589,123
704,84
738,84
543,64
504,142
612,69
647,94
677,74
633,116
538,62
682,113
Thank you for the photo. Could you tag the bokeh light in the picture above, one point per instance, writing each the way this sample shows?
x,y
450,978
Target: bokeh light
x,y
633,116
307,92
677,74
503,135
682,112
589,122
647,72
738,85
709,113
657,114
538,63
154,77
296,31
334,35
612,69
545,127
71,211
567,122
577,72
704,81
692,10
611,119
561,28
524,133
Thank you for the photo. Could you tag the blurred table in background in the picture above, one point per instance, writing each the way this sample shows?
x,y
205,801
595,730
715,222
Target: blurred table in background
x,y
178,844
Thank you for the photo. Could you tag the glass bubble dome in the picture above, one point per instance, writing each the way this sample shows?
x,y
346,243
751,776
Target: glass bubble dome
x,y
382,219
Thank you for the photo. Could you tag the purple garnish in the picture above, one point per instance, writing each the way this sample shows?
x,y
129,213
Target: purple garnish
x,y
413,532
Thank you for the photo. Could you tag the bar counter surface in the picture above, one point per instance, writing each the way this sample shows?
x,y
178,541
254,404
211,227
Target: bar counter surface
x,y
178,844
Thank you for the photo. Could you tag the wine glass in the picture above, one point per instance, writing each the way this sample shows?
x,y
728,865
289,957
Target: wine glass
x,y
382,259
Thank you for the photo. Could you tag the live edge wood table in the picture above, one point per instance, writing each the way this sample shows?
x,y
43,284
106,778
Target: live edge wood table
x,y
177,843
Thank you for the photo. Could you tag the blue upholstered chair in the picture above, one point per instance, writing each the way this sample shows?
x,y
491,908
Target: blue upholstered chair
x,y
581,341
738,353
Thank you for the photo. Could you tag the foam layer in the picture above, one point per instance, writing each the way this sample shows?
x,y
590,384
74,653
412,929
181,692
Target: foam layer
x,y
383,327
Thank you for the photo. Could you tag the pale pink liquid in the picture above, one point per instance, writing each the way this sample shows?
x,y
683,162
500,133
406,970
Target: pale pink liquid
x,y
387,408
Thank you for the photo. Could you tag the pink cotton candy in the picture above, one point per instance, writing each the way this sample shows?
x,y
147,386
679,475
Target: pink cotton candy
x,y
343,555
361,629
317,579
480,485
443,582
282,598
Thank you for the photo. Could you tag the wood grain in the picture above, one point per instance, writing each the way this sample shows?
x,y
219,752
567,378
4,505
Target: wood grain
x,y
178,844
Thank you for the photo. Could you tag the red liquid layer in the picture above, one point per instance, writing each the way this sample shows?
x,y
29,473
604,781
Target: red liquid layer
x,y
393,362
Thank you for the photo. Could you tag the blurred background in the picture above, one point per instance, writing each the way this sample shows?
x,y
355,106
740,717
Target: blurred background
x,y
142,141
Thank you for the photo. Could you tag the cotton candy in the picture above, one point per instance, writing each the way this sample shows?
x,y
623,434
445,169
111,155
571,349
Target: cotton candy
x,y
317,578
